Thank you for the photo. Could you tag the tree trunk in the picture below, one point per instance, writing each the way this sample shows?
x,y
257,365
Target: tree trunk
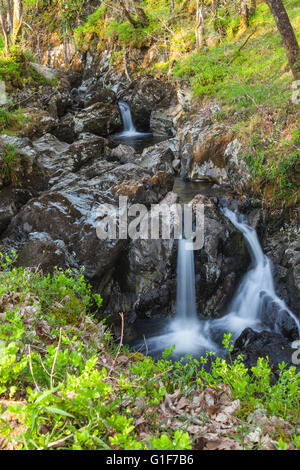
x,y
244,14
252,9
128,15
4,27
200,35
140,13
10,15
17,20
288,36
172,7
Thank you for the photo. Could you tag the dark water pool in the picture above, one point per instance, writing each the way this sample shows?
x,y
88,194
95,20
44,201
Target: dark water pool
x,y
139,141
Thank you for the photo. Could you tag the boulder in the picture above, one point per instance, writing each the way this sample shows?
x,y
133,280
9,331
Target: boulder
x,y
158,158
38,123
202,145
58,104
65,129
123,154
47,255
11,200
101,119
99,95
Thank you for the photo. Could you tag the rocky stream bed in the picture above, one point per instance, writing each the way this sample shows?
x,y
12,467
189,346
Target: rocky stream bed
x,y
70,161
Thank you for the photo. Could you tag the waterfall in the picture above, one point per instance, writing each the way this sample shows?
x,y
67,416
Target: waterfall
x,y
186,295
128,127
185,330
255,296
251,306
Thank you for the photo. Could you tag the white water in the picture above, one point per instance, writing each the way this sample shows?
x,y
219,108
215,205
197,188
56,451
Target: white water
x,y
255,293
129,129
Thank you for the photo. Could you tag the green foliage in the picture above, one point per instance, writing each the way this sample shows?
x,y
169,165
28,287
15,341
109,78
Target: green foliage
x,y
10,119
72,400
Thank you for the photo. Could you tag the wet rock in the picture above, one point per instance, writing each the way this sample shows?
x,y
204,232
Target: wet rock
x,y
99,95
148,190
202,144
278,319
65,129
87,148
123,154
70,217
101,119
253,344
48,150
158,158
47,255
283,248
143,283
292,263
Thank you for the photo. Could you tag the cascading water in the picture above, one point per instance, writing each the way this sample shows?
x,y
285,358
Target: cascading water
x,y
185,331
128,127
129,130
186,296
249,307
256,293
130,136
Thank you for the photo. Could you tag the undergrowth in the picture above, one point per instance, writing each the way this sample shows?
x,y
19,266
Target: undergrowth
x,y
68,386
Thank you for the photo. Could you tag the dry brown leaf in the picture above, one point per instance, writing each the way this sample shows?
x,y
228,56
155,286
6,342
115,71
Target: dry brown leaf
x,y
183,403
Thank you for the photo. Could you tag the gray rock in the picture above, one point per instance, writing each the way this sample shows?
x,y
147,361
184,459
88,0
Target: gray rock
x,y
101,119
158,158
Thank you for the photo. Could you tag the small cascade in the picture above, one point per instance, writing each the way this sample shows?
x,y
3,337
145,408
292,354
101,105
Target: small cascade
x,y
255,296
128,127
185,330
186,295
254,300
129,130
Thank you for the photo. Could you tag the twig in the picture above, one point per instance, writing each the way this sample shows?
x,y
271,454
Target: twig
x,y
120,345
241,47
54,361
31,369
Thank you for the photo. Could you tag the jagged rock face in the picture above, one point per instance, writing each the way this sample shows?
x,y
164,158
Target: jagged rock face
x,y
202,144
143,95
68,211
236,167
143,282
284,251
101,119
